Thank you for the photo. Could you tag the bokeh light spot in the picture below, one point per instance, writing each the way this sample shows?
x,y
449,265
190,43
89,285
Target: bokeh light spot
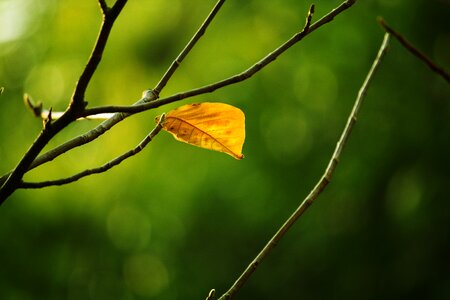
x,y
128,228
145,275
287,135
404,194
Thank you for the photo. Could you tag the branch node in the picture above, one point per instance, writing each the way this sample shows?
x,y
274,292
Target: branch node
x,y
1,90
36,108
149,95
47,121
309,16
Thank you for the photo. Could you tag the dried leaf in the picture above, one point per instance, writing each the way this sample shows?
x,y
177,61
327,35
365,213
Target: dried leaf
x,y
214,126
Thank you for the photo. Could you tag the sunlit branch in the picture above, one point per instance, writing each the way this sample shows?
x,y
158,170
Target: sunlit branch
x,y
211,294
146,102
108,124
320,186
38,111
416,52
116,161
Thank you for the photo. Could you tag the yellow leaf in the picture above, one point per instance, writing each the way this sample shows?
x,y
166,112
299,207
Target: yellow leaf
x,y
214,126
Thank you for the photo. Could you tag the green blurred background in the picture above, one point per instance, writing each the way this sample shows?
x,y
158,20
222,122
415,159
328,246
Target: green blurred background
x,y
176,221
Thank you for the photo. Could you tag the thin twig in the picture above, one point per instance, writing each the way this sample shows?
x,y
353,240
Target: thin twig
x,y
110,15
231,80
101,169
200,32
147,97
320,186
416,52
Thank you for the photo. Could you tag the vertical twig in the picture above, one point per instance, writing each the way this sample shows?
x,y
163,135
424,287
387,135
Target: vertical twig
x,y
109,17
200,32
320,186
416,52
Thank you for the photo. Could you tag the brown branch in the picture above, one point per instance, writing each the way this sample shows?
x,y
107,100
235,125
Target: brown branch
x,y
147,96
231,80
147,102
416,52
320,186
116,161
11,181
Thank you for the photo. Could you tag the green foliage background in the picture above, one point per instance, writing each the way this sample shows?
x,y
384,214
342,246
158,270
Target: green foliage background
x,y
176,221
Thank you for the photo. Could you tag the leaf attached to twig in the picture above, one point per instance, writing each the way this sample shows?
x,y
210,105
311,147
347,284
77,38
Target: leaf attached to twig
x,y
214,126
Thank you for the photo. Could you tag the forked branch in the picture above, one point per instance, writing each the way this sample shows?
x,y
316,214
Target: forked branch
x,y
308,28
320,186
148,99
11,181
101,169
147,96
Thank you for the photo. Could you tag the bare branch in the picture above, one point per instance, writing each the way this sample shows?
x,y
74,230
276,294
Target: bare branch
x,y
147,96
30,161
416,52
116,161
233,79
320,186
